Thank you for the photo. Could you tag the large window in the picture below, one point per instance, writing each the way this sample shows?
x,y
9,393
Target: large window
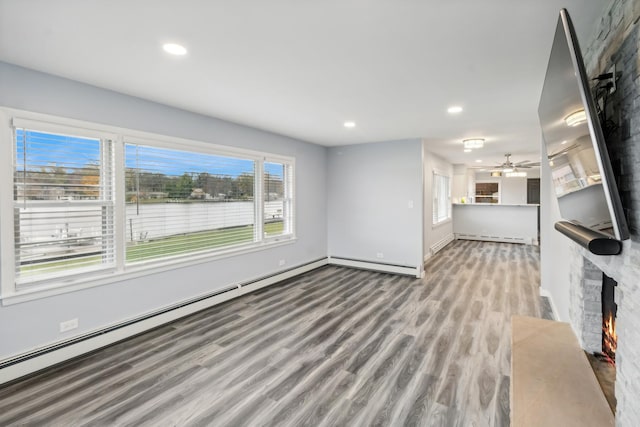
x,y
182,202
93,203
441,198
278,212
63,204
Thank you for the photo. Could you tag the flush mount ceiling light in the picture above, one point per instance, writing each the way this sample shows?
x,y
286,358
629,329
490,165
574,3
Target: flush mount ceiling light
x,y
576,118
174,49
473,143
467,150
454,109
349,125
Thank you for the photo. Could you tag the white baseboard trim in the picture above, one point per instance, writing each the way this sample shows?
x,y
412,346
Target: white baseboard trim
x,y
436,247
368,265
34,361
547,294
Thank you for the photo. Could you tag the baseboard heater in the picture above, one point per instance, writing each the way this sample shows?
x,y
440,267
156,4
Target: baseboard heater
x,y
377,266
440,244
485,238
64,351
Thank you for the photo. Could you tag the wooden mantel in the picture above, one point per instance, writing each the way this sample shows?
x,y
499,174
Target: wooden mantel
x,y
552,383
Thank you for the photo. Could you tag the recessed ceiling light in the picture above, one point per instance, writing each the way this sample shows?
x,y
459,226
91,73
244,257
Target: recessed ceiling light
x,y
174,49
454,109
479,161
467,150
349,124
563,142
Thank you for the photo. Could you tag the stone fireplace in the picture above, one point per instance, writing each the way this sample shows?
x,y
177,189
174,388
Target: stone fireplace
x,y
585,315
614,42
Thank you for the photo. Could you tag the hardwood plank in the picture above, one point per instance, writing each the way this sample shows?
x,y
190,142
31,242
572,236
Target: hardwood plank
x,y
335,346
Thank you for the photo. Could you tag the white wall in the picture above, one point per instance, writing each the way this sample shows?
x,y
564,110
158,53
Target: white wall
x,y
433,234
459,183
28,325
514,191
370,190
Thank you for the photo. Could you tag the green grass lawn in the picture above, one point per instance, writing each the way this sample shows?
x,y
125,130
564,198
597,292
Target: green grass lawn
x,y
166,246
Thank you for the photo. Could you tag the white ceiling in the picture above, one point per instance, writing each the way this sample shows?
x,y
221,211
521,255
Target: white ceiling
x,y
302,68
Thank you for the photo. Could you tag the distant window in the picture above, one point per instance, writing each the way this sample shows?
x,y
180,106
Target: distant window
x,y
63,204
441,198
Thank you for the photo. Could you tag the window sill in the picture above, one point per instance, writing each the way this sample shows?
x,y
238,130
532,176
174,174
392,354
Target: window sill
x,y
66,285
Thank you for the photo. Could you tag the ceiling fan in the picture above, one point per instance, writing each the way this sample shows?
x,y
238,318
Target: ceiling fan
x,y
509,166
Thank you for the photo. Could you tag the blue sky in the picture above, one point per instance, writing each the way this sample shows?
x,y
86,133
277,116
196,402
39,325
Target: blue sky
x,y
45,149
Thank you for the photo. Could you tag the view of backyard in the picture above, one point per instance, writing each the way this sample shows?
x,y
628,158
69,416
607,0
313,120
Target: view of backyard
x,y
167,246
176,202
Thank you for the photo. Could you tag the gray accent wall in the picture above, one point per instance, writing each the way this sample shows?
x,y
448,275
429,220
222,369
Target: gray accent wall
x,y
370,189
33,324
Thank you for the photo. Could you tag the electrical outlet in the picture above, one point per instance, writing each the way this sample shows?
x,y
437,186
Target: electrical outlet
x,y
379,255
281,262
68,325
410,204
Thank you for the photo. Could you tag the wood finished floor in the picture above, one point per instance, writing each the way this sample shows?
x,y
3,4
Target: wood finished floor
x,y
333,347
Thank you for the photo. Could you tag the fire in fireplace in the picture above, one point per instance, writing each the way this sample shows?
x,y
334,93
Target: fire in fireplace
x,y
609,309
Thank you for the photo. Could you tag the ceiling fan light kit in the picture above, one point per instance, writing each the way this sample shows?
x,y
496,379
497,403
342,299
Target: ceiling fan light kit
x,y
509,169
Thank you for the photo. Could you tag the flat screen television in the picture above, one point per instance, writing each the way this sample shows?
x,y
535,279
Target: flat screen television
x,y
577,154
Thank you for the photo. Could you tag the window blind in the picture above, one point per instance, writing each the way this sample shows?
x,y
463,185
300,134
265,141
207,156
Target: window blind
x,y
63,204
278,203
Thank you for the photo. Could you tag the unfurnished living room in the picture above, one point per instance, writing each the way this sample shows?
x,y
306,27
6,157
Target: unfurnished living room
x,y
338,213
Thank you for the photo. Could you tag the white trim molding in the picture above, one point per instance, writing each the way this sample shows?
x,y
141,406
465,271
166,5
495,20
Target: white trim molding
x,y
376,266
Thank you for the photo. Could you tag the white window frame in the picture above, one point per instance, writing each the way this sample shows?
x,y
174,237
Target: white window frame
x,y
11,292
107,144
289,189
434,198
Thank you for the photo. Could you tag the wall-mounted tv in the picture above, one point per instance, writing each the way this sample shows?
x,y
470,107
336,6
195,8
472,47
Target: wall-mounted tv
x,y
580,167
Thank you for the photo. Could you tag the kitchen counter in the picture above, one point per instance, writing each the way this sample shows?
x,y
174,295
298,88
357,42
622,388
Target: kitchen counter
x,y
496,222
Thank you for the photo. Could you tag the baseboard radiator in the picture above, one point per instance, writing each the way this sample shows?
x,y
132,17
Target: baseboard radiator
x,y
486,238
31,362
377,266
440,244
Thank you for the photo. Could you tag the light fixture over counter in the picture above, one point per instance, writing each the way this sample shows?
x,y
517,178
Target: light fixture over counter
x,y
473,143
